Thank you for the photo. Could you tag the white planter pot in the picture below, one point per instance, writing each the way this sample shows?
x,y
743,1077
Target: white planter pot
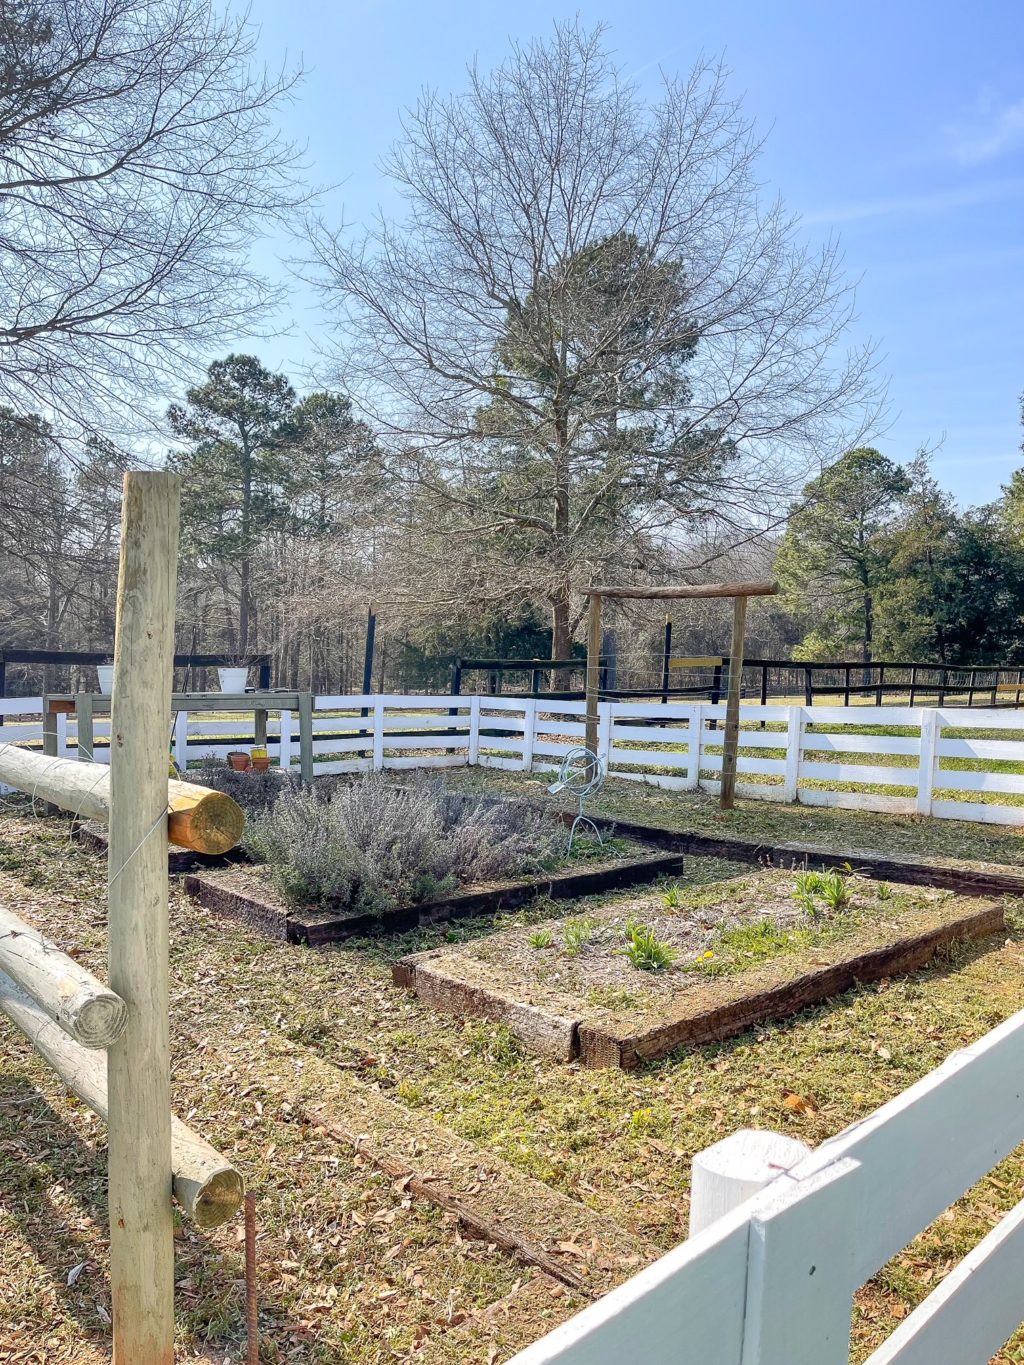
x,y
233,679
105,674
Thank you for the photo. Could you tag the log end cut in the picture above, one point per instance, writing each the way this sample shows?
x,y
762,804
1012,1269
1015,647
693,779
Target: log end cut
x,y
96,1019
202,819
219,1198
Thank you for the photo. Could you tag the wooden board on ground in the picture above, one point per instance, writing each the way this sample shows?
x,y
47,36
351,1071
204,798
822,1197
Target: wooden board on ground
x,y
585,1251
589,1003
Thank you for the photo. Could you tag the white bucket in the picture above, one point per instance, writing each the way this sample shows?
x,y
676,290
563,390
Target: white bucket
x,y
233,679
105,674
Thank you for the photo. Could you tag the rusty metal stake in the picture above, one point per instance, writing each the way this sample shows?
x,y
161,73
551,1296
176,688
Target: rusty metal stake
x,y
252,1353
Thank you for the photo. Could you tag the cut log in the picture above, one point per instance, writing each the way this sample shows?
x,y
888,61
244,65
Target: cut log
x,y
198,818
208,1188
73,998
686,590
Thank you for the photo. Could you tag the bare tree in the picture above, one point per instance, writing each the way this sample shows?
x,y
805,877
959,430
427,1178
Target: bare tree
x,y
587,333
138,162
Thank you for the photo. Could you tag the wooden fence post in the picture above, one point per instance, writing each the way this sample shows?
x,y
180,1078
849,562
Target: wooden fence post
x,y
474,730
84,728
694,739
305,700
181,740
139,1084
529,732
731,742
794,752
378,734
284,755
727,1174
593,670
604,736
926,762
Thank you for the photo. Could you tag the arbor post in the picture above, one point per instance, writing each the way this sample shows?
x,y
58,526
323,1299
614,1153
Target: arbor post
x,y
731,744
593,669
139,1083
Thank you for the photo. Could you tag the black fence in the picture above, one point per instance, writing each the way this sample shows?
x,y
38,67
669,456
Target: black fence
x,y
61,663
839,683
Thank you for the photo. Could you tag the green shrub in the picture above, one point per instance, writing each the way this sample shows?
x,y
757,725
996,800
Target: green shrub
x,y
835,892
541,938
369,845
577,934
645,950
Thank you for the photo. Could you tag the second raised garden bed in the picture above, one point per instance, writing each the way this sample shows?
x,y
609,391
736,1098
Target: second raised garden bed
x,y
742,952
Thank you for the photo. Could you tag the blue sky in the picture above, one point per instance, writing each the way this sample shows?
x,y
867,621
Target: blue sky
x,y
899,125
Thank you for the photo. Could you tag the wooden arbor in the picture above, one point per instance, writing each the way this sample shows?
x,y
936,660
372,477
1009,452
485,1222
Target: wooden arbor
x,y
739,592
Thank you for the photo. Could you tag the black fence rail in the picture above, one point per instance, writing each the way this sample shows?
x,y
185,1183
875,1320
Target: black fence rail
x,y
839,682
84,658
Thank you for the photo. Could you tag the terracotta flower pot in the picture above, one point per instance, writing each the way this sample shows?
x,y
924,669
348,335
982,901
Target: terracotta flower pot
x,y
260,763
239,760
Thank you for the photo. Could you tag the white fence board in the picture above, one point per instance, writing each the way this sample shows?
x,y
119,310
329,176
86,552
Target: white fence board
x,y
663,758
685,1309
888,805
645,710
860,773
645,734
572,729
989,719
816,1234
951,780
973,1312
427,742
347,765
514,724
837,743
540,733
761,791
1011,749
775,767
979,811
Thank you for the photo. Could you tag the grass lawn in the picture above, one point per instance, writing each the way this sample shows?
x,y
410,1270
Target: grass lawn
x,y
351,1266
863,830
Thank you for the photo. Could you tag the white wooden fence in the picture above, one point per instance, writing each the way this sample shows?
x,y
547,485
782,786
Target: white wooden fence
x,y
929,761
772,1283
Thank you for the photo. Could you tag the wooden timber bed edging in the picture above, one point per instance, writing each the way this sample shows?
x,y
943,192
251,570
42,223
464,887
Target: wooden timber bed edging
x,y
771,992
268,914
950,874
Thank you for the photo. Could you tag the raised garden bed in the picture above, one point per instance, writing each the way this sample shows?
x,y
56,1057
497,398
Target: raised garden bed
x,y
247,893
741,952
968,877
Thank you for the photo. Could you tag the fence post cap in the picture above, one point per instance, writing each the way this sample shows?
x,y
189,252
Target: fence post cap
x,y
752,1154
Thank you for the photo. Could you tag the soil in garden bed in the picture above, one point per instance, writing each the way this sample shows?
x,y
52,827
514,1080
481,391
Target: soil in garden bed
x,y
248,892
741,951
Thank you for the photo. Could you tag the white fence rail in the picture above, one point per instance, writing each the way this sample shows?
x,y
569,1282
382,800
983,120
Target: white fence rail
x,y
900,760
773,1282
